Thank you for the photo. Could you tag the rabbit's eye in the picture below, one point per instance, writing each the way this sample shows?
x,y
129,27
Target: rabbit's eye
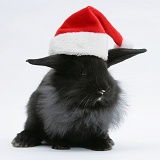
x,y
82,72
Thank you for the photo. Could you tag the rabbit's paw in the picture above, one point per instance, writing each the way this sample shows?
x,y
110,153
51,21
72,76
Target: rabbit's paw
x,y
26,139
101,145
110,141
59,144
60,147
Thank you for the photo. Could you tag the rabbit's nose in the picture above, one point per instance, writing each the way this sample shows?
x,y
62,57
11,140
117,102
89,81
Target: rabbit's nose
x,y
102,91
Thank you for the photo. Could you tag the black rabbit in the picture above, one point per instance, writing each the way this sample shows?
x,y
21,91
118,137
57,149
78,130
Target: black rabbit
x,y
76,103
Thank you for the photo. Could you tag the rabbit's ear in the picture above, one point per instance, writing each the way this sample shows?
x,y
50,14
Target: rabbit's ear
x,y
50,61
120,54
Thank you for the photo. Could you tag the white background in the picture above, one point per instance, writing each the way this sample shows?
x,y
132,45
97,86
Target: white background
x,y
26,26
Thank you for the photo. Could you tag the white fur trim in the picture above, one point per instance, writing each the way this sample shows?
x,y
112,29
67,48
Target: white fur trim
x,y
125,44
80,43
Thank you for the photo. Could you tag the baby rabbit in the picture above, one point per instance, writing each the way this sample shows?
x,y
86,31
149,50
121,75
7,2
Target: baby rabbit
x,y
76,103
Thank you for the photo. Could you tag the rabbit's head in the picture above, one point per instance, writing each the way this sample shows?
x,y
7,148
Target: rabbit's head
x,y
85,80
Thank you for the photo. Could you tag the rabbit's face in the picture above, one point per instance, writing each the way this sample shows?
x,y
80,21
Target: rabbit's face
x,y
83,80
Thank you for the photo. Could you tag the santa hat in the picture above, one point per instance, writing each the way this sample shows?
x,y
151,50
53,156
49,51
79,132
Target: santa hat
x,y
85,33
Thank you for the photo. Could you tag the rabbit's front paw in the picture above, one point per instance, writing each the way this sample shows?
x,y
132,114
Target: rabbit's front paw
x,y
60,147
26,139
101,144
59,144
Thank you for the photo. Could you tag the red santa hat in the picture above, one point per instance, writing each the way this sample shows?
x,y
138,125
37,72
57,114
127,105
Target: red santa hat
x,y
85,33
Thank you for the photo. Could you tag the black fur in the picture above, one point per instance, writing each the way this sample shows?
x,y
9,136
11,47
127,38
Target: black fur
x,y
74,106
